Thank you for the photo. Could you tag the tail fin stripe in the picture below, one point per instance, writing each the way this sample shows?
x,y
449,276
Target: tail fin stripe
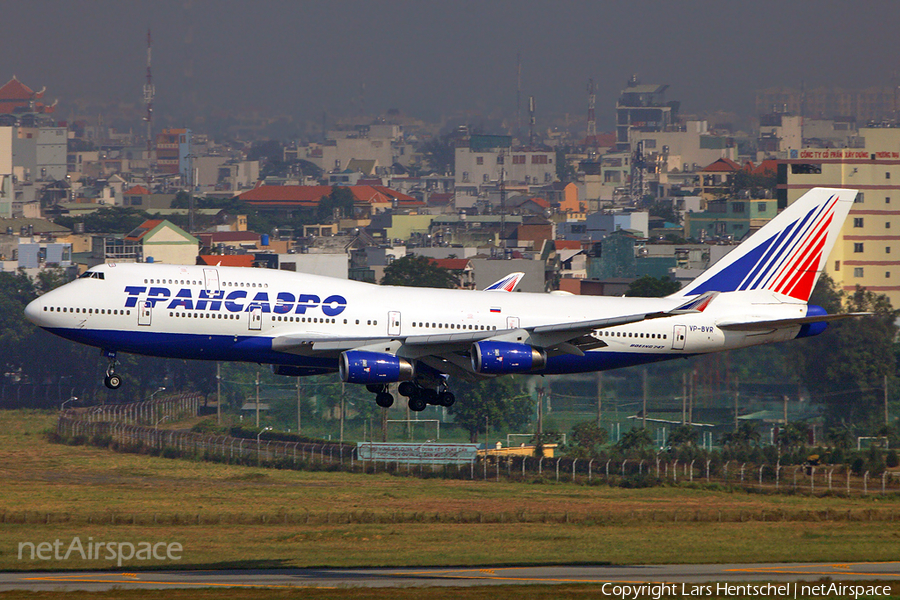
x,y
800,269
810,245
783,247
774,253
776,256
793,252
802,283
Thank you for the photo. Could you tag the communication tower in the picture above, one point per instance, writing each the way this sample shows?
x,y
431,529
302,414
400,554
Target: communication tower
x,y
149,92
591,119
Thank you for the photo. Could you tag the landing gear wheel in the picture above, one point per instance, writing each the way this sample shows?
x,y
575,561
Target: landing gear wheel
x,y
430,396
417,403
113,381
376,388
407,388
384,400
446,399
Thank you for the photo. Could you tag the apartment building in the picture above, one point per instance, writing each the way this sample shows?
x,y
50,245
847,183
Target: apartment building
x,y
867,252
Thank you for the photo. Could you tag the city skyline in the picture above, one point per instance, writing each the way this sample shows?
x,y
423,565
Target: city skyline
x,y
359,58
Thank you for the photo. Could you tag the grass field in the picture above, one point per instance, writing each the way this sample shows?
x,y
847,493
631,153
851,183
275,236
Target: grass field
x,y
225,515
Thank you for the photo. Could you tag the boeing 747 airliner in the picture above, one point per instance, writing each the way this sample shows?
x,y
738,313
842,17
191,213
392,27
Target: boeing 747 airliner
x,y
377,335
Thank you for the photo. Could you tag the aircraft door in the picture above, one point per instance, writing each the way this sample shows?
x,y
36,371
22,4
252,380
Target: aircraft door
x,y
393,323
211,280
512,322
678,337
145,313
255,318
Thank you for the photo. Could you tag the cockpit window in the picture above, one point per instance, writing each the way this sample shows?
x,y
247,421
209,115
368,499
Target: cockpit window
x,y
92,275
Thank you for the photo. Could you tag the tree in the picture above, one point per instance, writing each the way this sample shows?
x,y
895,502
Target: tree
x,y
652,287
336,205
440,153
665,211
418,271
635,439
112,219
497,402
565,172
844,369
743,437
683,436
586,439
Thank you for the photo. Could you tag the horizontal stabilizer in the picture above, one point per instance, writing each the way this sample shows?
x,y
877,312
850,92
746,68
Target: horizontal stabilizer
x,y
778,323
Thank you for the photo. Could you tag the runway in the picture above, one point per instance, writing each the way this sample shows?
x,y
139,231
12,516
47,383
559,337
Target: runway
x,y
454,577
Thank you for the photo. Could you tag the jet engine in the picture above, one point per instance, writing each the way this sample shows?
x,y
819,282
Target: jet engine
x,y
374,367
500,358
811,329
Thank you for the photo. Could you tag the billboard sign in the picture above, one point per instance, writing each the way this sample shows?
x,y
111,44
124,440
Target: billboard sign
x,y
417,453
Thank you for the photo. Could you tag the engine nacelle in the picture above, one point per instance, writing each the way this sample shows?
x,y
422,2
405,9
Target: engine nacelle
x,y
500,358
358,366
811,329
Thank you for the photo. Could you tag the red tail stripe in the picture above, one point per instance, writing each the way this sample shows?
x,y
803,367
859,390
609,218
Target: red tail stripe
x,y
812,253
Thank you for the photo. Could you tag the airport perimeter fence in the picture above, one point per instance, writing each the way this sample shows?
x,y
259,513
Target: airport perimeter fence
x,y
134,428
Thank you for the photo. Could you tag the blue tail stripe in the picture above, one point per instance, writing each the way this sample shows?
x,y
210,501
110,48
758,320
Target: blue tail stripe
x,y
804,229
728,279
779,251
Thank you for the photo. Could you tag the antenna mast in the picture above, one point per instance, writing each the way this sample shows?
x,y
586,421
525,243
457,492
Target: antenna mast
x,y
591,119
519,95
531,109
149,92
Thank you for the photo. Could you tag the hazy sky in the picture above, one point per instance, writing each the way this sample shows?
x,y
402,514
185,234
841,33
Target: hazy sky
x,y
432,58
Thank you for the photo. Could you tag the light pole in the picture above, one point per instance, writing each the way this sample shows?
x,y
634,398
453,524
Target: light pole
x,y
161,419
71,399
257,443
161,389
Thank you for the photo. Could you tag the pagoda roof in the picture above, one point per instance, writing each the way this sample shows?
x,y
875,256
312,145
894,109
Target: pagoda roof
x,y
15,95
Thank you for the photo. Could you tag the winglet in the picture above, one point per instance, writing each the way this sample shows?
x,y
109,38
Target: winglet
x,y
507,284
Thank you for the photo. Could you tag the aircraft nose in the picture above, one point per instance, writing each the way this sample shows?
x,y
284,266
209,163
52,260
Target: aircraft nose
x,y
33,311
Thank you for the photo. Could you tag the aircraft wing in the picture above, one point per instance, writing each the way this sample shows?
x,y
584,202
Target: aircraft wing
x,y
448,348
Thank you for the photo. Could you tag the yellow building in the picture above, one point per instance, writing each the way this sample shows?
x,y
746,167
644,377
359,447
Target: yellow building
x,y
867,253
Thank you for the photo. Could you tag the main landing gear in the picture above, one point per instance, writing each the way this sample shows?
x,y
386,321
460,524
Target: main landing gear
x,y
420,397
382,397
112,381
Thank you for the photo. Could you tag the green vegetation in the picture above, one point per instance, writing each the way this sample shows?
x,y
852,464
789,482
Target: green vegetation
x,y
230,515
418,271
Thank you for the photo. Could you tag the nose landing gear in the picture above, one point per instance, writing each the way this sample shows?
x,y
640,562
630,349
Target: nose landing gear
x,y
112,381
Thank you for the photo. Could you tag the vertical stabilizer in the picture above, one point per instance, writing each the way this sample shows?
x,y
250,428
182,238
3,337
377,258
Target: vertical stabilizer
x,y
787,255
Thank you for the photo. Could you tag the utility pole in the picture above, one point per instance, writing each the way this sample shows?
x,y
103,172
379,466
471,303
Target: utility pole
x,y
218,393
599,398
342,412
691,399
737,397
540,415
683,398
644,409
257,398
886,416
784,403
299,420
